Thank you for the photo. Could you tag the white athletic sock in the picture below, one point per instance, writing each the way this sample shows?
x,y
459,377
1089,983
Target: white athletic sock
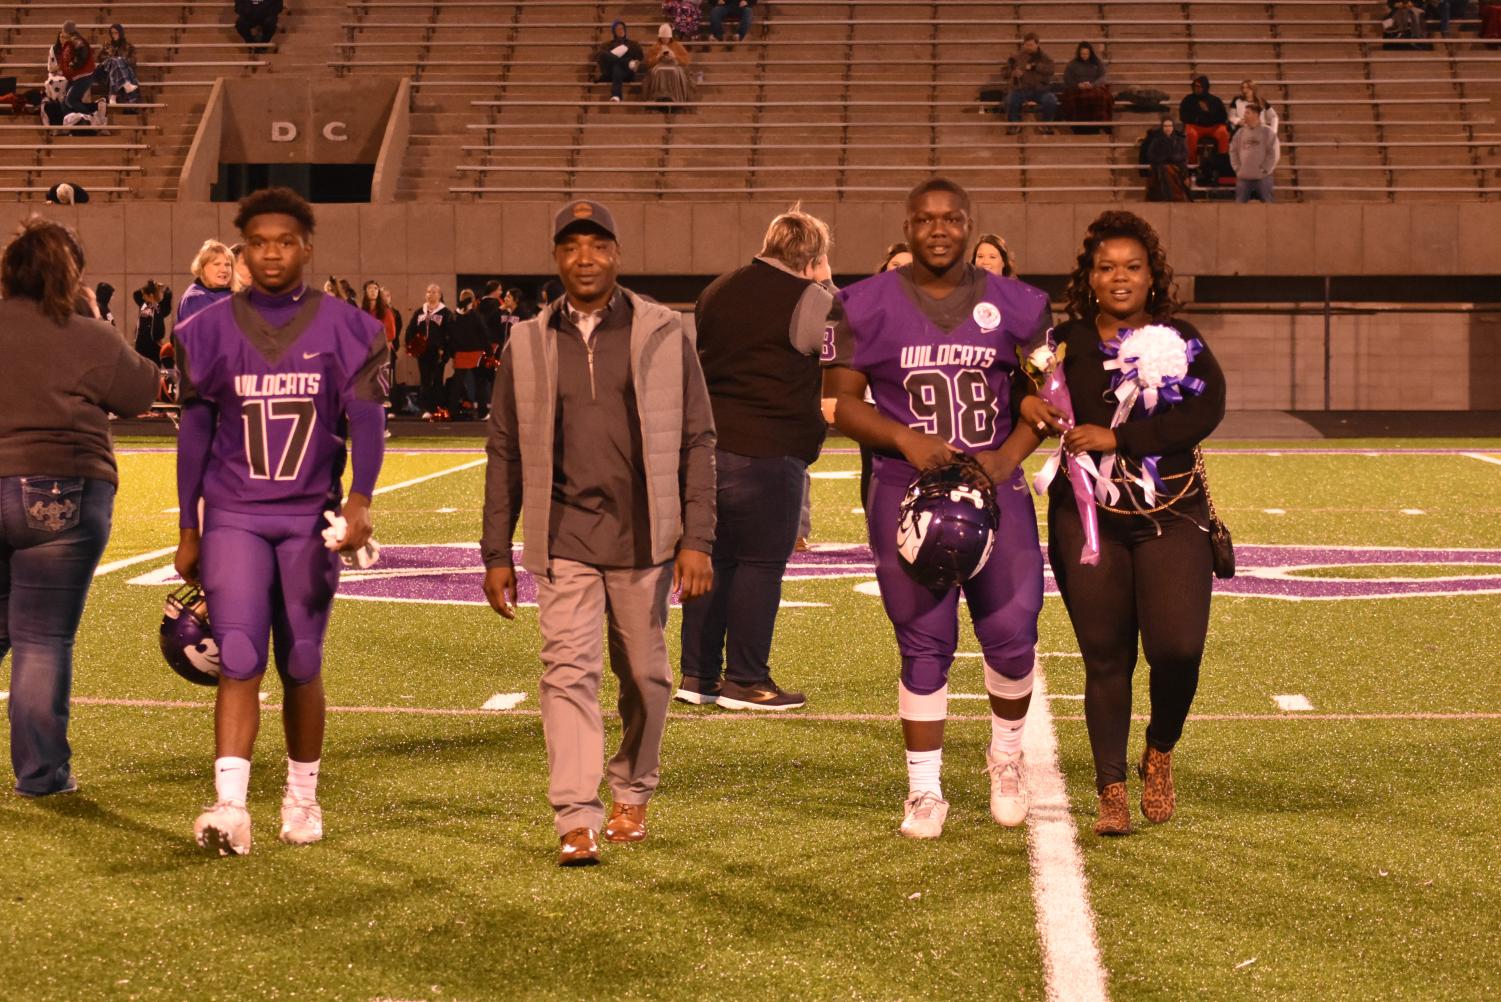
x,y
302,779
232,779
923,771
1006,735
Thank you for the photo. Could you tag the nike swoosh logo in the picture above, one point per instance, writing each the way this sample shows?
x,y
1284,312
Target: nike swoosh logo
x,y
310,354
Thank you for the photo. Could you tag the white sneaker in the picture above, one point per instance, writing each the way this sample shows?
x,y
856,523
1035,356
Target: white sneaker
x,y
1008,797
224,829
301,820
925,814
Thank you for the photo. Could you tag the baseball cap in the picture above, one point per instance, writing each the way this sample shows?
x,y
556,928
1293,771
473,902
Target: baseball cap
x,y
583,216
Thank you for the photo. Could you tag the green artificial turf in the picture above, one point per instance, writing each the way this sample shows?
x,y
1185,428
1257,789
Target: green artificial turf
x,y
1311,858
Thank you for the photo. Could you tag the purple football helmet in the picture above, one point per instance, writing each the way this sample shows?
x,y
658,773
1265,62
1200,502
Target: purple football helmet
x,y
187,643
947,524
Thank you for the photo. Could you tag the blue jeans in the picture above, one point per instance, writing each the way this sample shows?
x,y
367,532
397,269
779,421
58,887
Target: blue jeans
x,y
1261,188
1047,104
760,500
718,13
52,533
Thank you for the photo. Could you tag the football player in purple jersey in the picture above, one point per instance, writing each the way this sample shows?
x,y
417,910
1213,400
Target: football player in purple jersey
x,y
935,341
279,382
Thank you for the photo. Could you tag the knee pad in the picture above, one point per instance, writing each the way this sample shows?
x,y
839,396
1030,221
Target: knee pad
x,y
305,661
925,673
1007,686
922,706
239,658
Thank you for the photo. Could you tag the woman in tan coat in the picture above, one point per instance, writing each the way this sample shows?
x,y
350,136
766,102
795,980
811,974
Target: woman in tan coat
x,y
667,62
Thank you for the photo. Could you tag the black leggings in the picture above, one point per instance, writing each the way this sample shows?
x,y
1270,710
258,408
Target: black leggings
x,y
1154,586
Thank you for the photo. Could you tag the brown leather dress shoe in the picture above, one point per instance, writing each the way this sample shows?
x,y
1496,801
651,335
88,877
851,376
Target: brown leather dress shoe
x,y
579,847
627,823
1158,798
1115,817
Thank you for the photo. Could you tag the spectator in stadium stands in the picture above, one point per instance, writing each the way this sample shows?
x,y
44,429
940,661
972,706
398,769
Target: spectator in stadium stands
x,y
1438,10
1490,22
685,16
255,20
1165,158
760,330
619,60
426,337
64,375
154,306
667,80
602,444
213,271
1086,94
1253,154
72,58
67,193
1203,114
1249,95
117,68
347,291
1030,72
721,9
241,275
991,254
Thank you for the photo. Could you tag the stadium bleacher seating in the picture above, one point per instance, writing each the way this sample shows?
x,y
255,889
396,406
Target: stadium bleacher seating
x,y
836,99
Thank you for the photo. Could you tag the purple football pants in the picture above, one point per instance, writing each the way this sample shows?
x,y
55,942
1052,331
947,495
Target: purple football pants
x,y
268,578
1004,598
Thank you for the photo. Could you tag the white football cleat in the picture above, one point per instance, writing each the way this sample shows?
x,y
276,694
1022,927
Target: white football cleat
x,y
224,829
301,821
1008,797
925,814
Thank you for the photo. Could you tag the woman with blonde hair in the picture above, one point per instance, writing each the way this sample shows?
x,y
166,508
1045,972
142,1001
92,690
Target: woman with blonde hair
x,y
213,271
1249,95
65,375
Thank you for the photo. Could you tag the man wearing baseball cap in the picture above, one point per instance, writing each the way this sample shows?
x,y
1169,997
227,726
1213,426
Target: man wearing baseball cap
x,y
601,434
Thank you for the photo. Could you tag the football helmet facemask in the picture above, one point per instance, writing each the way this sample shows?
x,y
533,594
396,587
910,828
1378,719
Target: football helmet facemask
x,y
947,524
187,643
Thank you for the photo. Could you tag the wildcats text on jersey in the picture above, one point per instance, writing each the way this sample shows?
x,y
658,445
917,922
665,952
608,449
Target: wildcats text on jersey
x,y
921,356
278,384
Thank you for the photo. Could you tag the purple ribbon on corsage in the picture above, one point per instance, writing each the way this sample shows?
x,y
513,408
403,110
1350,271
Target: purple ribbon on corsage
x,y
1150,373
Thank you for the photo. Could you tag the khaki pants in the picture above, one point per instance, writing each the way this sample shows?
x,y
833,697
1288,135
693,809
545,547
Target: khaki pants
x,y
571,606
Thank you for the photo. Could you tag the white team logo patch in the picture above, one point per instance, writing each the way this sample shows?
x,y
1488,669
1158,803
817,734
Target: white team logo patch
x,y
988,316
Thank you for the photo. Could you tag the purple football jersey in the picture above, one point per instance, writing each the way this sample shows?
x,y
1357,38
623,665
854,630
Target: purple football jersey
x,y
951,383
280,394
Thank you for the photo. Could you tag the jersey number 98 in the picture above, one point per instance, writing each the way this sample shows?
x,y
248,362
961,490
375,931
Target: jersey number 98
x,y
958,407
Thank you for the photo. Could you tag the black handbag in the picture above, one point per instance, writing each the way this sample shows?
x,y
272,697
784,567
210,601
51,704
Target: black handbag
x,y
1220,543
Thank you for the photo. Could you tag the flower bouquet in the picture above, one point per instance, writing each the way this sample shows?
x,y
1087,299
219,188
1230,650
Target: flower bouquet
x,y
1045,368
1150,372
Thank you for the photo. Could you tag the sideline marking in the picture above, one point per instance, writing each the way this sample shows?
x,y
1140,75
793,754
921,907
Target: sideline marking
x,y
1294,702
790,716
1484,459
116,565
1274,511
1060,890
1413,511
430,476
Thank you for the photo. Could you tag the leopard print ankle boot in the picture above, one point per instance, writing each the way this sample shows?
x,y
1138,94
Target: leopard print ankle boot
x,y
1158,799
1115,817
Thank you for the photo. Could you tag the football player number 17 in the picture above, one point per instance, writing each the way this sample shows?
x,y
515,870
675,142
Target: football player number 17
x,y
958,406
298,412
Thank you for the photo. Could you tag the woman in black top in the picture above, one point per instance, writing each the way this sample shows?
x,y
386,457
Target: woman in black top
x,y
1153,575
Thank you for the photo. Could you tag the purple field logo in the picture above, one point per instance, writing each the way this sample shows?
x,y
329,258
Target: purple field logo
x,y
451,574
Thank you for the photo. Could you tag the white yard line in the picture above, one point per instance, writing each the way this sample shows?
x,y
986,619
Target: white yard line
x,y
430,476
115,565
1484,459
1060,891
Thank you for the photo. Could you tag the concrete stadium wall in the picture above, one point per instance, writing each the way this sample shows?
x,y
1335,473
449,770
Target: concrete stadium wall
x,y
1388,361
